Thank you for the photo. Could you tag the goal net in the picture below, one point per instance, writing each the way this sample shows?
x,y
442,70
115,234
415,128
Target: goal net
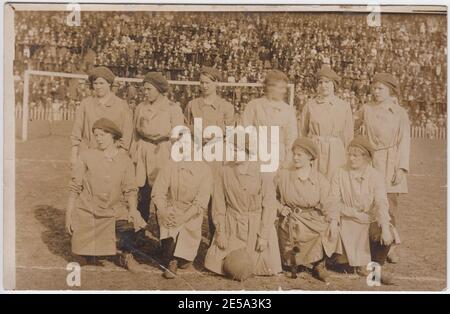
x,y
54,96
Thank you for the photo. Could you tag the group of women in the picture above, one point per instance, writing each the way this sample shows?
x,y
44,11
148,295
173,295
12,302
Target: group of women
x,y
332,200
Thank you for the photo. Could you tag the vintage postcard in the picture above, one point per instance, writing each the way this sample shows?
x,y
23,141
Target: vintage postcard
x,y
225,148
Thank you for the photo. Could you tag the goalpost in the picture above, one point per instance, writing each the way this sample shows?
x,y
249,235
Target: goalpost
x,y
29,73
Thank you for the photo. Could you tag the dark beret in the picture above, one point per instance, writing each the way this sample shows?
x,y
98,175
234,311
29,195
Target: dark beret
x,y
107,126
386,79
158,80
326,71
275,76
102,72
307,145
212,73
362,143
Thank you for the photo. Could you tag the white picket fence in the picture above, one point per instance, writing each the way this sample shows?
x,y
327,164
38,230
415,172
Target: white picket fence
x,y
424,132
47,114
432,133
69,114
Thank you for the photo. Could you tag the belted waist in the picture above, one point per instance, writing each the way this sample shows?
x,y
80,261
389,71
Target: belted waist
x,y
156,142
234,211
298,209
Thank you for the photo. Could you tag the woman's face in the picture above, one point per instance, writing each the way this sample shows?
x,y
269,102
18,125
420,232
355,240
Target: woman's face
x,y
301,158
357,159
151,92
104,139
101,87
207,85
325,87
276,90
380,91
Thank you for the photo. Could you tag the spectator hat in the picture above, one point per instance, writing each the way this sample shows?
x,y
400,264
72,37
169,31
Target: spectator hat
x,y
158,80
102,72
107,126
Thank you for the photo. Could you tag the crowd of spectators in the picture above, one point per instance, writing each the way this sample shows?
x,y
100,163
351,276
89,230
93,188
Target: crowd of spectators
x,y
243,46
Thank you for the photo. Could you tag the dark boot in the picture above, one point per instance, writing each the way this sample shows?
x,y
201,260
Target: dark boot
x,y
294,266
167,249
80,259
171,270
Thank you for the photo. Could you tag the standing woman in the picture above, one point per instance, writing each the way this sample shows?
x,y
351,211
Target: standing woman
x,y
212,109
308,228
328,121
103,104
387,127
101,213
272,110
359,195
154,120
244,211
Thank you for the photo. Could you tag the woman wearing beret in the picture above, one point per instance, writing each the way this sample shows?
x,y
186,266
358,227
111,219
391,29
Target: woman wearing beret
x,y
101,214
154,120
212,109
181,194
272,110
359,195
328,121
387,127
308,228
243,210
103,104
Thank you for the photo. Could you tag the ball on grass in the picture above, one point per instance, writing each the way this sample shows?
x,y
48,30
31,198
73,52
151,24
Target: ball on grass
x,y
238,265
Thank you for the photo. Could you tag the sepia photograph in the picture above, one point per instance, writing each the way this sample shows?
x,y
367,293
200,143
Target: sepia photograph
x,y
280,148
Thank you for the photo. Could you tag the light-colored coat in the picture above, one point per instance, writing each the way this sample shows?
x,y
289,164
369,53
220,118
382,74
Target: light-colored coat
x,y
329,123
183,185
244,208
151,122
388,129
90,110
360,200
306,229
219,113
264,112
103,186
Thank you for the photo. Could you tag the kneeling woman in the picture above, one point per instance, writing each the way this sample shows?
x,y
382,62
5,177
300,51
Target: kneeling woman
x,y
359,194
308,228
181,194
101,214
244,211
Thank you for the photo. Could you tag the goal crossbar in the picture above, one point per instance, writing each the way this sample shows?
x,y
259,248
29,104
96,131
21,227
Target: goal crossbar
x,y
28,73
